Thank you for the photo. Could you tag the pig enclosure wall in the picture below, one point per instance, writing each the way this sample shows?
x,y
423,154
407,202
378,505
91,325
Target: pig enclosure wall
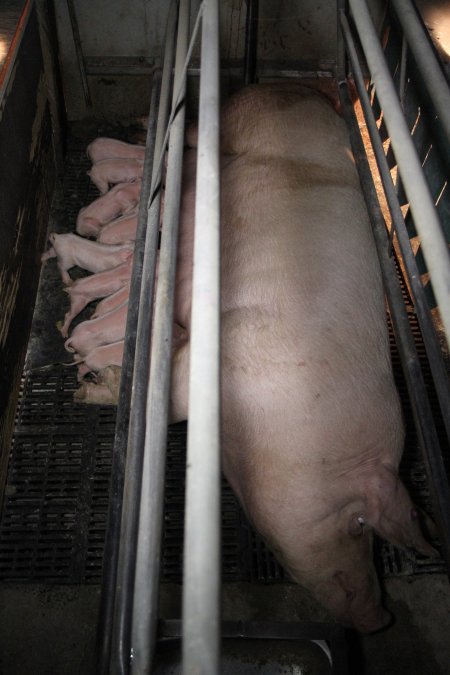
x,y
27,178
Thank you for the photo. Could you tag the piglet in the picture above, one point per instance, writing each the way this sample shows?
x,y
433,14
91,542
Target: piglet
x,y
120,230
104,391
109,148
120,200
112,301
71,250
108,172
100,331
100,285
100,357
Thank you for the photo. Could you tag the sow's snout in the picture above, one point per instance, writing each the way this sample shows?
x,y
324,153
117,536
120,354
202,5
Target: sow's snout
x,y
356,602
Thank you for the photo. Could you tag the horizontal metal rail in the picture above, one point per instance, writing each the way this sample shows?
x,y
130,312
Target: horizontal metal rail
x,y
434,245
329,637
201,579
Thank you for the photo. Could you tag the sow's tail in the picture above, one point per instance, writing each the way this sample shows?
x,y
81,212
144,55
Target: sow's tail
x,y
391,513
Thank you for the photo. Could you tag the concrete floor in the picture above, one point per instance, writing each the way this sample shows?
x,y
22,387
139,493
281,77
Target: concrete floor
x,y
52,630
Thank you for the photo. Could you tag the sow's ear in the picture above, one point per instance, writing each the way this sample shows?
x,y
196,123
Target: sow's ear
x,y
390,512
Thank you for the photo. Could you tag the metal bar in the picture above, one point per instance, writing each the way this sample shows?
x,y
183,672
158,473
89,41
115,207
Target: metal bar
x,y
53,89
113,604
410,363
178,94
433,77
331,634
136,431
120,65
341,70
201,580
437,366
121,431
402,81
251,41
427,222
145,603
79,52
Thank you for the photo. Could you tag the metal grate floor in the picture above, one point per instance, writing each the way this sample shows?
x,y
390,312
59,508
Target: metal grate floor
x,y
52,527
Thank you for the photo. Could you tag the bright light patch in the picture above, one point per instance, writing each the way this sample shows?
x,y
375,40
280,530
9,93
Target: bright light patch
x,y
3,50
436,16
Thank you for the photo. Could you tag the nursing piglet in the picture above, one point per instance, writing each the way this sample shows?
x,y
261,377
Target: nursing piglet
x,y
312,426
100,357
102,330
100,285
105,389
108,148
116,170
120,200
120,230
112,301
71,250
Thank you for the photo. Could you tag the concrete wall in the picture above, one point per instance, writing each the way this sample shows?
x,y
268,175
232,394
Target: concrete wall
x,y
131,33
27,176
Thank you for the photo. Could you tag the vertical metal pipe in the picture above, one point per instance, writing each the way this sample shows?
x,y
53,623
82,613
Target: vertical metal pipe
x,y
79,52
107,602
427,223
419,44
201,581
438,369
53,89
136,431
145,602
341,70
120,546
425,426
402,81
251,41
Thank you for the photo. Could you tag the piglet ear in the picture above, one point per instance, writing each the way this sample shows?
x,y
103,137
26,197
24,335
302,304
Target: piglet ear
x,y
390,512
